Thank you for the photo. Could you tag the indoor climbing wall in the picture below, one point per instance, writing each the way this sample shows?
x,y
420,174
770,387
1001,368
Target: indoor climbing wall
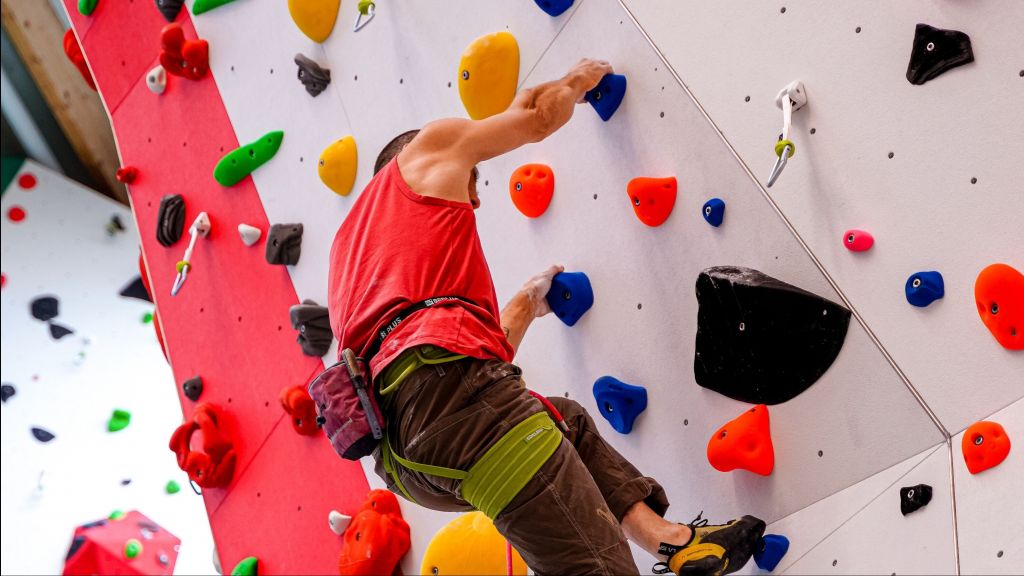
x,y
886,414
78,345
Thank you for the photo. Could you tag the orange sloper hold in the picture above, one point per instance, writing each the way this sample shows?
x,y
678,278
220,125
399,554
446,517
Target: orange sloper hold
x,y
652,198
297,403
745,443
377,538
999,293
985,445
531,187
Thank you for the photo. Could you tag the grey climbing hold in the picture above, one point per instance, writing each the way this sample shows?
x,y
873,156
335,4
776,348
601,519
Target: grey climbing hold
x,y
169,8
314,77
249,234
314,326
45,308
57,331
42,434
6,391
284,244
193,388
170,221
156,80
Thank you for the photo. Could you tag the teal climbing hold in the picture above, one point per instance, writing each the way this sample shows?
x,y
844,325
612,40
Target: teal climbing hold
x,y
241,161
201,6
248,566
119,420
172,487
86,7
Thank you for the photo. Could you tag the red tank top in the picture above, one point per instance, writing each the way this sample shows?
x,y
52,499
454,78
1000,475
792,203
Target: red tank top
x,y
396,248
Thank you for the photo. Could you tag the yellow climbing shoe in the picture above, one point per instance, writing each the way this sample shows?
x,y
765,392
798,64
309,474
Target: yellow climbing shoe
x,y
712,550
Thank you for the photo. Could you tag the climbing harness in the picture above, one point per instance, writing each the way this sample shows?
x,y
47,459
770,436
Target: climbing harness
x,y
790,99
366,8
200,228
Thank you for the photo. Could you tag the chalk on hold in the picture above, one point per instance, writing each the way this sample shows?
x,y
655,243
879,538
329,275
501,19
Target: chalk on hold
x,y
338,522
531,187
554,7
314,77
284,244
87,7
377,538
241,161
338,164
714,211
488,73
249,234
470,544
770,550
760,340
985,445
156,80
936,51
607,95
315,18
858,240
619,403
314,326
299,406
248,566
127,174
172,487
652,198
169,9
744,443
74,53
570,296
119,420
999,294
186,58
913,498
200,6
193,388
923,288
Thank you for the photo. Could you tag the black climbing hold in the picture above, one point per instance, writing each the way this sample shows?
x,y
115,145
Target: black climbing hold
x,y
126,481
57,331
284,244
45,308
114,225
935,51
760,340
314,326
312,75
169,8
76,543
170,220
7,391
136,289
193,388
913,498
42,435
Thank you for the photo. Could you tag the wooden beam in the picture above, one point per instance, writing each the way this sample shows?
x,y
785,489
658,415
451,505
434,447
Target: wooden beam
x,y
38,34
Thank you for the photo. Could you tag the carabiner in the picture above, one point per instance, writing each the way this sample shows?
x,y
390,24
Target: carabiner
x,y
366,8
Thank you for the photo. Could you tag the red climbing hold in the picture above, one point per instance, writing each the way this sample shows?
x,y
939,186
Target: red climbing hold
x,y
16,213
745,443
985,445
377,538
999,293
652,198
213,465
858,240
297,403
127,174
27,181
3,280
180,57
531,187
74,53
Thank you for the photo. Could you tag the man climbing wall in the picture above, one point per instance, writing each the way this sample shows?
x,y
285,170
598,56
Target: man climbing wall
x,y
408,256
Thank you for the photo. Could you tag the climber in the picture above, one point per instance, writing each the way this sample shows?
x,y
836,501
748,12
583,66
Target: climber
x,y
450,395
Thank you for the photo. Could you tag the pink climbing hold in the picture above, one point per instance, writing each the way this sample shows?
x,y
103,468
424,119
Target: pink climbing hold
x,y
858,240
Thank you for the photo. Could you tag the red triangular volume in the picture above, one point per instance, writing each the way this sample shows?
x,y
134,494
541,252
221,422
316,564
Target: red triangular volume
x,y
652,198
744,443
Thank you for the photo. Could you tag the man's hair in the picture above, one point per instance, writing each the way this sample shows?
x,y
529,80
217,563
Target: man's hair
x,y
393,148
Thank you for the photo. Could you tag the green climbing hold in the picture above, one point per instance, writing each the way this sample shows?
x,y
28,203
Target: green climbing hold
x,y
116,515
132,548
241,161
206,5
119,420
86,7
246,567
147,317
172,487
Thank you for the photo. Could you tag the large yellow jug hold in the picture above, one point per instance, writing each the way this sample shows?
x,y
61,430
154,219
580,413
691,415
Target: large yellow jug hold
x,y
488,74
469,545
314,17
337,166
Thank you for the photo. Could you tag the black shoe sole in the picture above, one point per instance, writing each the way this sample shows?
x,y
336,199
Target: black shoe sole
x,y
740,554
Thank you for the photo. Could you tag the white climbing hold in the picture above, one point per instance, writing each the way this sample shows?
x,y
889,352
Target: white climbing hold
x,y
250,234
156,80
216,561
338,521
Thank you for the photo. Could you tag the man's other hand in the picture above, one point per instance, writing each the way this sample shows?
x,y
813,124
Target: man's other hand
x,y
536,290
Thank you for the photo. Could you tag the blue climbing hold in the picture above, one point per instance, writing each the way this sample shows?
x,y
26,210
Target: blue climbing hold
x,y
768,555
619,403
570,296
923,288
714,211
607,95
554,7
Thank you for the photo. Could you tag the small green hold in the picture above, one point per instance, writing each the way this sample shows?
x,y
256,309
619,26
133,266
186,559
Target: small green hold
x,y
132,548
147,317
86,7
206,5
116,515
246,567
241,161
172,487
119,420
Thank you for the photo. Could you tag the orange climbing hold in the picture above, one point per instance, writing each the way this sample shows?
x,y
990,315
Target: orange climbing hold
x,y
999,293
652,198
377,538
985,445
745,443
531,187
300,407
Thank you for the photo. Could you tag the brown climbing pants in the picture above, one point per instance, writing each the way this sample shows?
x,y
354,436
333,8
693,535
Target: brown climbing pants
x,y
566,520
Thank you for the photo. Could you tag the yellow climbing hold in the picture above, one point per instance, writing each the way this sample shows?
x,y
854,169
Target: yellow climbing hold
x,y
314,17
488,73
337,166
470,544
